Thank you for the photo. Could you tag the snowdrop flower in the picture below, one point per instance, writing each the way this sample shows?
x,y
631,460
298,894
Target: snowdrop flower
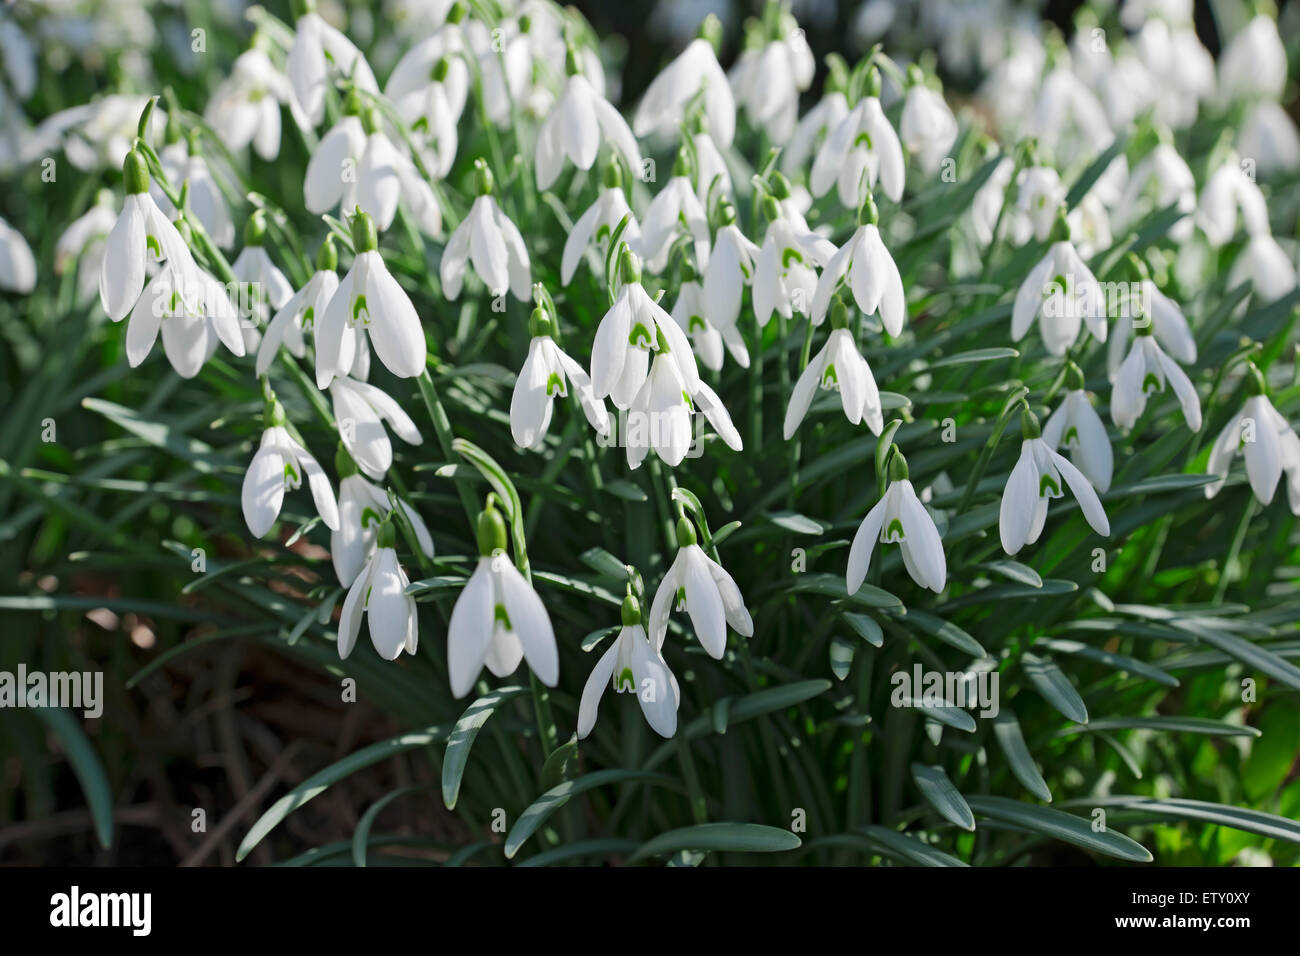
x,y
841,368
699,585
986,207
633,665
1067,119
868,268
17,264
1034,481
574,128
659,416
303,311
713,178
431,104
1253,64
694,72
547,372
369,298
634,326
489,241
1090,225
183,165
332,172
84,242
1161,179
1230,189
1269,136
386,176
245,108
498,619
730,269
1039,194
1165,318
379,592
927,127
674,206
1076,426
785,275
361,410
814,126
707,340
141,233
767,80
1062,294
899,518
1267,442
1147,370
318,48
19,56
1268,268
253,266
280,465
1183,70
506,61
598,224
362,508
860,149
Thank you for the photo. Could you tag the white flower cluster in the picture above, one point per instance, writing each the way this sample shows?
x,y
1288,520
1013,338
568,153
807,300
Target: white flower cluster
x,y
383,164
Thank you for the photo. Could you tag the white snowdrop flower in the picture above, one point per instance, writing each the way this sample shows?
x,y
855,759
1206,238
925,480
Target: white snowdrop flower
x,y
141,233
1039,194
17,264
491,243
767,80
1067,119
207,202
674,207
506,61
303,311
730,269
84,243
927,127
1012,86
988,201
1090,225
318,51
332,172
700,586
861,149
253,266
838,367
387,176
1253,64
379,592
430,101
1148,370
709,342
815,125
635,666
1160,180
18,54
659,416
245,108
1181,67
1268,268
362,508
1269,136
1062,294
369,298
694,72
361,410
575,126
280,465
1076,426
866,266
597,224
1228,190
498,619
713,178
1166,320
1265,439
785,275
1034,481
899,518
94,135
190,309
547,372
635,326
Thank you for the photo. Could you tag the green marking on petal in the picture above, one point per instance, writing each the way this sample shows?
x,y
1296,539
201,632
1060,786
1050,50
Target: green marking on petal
x,y
695,324
681,599
421,125
1048,482
369,516
788,256
499,615
554,385
308,318
154,246
602,233
894,531
863,137
624,681
640,337
830,378
359,308
1151,384
1071,435
290,474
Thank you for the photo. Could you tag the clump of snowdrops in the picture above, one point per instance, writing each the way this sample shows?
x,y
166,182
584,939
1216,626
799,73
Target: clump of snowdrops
x,y
844,474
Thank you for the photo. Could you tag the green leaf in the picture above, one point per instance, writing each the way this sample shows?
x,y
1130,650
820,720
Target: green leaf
x,y
86,766
792,521
1250,654
625,490
945,631
1061,826
1051,682
719,837
1118,661
361,836
1184,725
462,739
1238,818
973,356
550,801
1007,731
1014,570
556,769
939,791
905,848
322,780
865,627
841,652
